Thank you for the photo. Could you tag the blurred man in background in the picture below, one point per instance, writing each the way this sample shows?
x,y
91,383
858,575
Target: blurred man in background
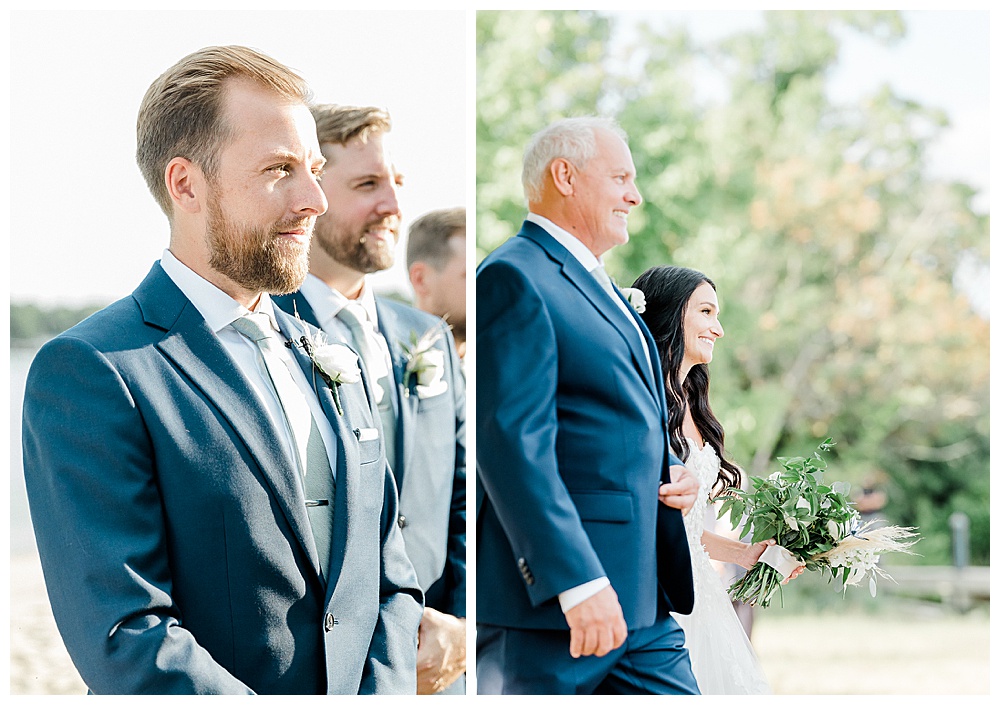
x,y
435,259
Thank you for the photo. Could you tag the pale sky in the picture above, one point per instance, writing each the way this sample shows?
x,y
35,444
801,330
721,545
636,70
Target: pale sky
x,y
942,62
85,229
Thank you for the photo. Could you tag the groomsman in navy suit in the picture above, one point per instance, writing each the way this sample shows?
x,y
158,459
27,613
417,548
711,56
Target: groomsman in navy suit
x,y
411,358
208,485
578,563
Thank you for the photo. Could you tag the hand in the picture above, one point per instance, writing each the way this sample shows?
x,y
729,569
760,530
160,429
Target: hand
x,y
794,574
682,490
440,651
596,625
753,553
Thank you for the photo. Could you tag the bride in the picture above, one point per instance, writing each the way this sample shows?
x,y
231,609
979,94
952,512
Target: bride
x,y
682,312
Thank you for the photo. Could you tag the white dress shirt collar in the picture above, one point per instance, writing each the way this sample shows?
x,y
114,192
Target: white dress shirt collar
x,y
326,301
217,307
567,240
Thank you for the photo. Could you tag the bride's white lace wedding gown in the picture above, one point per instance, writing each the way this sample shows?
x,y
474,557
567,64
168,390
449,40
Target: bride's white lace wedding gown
x,y
722,658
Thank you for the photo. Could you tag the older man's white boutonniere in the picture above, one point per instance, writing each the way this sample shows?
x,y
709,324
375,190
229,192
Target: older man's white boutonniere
x,y
636,298
424,364
336,364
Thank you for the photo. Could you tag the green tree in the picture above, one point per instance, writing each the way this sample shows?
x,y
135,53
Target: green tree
x,y
834,253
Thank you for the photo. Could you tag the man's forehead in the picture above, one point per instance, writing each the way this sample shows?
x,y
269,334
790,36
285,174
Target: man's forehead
x,y
271,122
368,155
613,148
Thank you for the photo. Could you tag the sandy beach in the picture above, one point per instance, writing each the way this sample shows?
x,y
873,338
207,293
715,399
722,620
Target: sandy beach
x,y
39,664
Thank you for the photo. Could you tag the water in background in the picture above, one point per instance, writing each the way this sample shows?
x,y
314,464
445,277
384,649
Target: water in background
x,y
22,537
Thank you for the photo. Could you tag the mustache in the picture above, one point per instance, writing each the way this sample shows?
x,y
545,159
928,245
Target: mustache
x,y
390,221
294,224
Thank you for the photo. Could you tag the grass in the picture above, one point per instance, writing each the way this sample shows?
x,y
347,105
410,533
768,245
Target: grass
x,y
872,646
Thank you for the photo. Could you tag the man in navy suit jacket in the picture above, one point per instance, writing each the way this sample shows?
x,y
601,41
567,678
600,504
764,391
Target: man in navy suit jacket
x,y
578,563
412,359
164,483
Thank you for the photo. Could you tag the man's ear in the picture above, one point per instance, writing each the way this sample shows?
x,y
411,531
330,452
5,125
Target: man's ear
x,y
563,175
418,277
185,184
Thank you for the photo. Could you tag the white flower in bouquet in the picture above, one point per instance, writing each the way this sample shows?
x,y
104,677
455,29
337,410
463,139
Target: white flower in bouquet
x,y
857,555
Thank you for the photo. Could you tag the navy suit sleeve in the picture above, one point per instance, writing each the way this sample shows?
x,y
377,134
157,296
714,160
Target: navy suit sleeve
x,y
98,520
516,409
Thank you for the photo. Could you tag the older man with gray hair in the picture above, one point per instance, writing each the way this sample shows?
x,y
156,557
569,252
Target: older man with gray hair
x,y
581,547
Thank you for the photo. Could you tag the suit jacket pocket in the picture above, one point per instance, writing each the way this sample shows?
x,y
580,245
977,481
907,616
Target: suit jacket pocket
x,y
369,448
434,402
603,505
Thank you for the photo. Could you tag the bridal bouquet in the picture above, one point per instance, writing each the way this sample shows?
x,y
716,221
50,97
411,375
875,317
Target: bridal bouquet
x,y
813,524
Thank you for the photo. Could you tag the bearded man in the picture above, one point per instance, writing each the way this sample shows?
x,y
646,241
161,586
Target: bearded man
x,y
411,357
208,485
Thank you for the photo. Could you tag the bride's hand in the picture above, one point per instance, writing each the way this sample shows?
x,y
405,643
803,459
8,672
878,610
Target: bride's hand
x,y
682,490
794,574
753,552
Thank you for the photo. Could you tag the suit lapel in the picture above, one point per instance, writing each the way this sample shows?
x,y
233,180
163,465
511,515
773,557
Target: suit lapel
x,y
404,403
588,285
296,305
197,352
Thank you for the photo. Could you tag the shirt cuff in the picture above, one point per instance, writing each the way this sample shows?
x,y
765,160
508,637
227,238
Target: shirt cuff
x,y
574,596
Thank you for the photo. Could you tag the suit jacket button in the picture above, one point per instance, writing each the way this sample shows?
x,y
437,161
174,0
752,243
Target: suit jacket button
x,y
401,521
328,622
525,571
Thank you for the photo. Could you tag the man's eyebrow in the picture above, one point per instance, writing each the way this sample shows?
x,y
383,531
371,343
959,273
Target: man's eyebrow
x,y
376,176
289,156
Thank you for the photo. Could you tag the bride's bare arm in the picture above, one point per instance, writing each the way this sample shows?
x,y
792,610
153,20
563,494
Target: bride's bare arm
x,y
727,550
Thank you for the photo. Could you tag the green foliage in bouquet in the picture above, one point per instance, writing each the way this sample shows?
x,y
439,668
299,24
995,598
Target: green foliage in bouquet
x,y
814,521
793,507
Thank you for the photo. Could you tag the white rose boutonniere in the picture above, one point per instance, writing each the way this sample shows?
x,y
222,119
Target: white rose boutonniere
x,y
636,299
424,365
336,364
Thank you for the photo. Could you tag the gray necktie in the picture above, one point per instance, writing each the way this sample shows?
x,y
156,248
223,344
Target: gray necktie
x,y
309,451
375,352
605,281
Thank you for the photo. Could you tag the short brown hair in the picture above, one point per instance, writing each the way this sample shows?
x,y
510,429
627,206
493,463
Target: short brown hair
x,y
181,113
339,124
429,236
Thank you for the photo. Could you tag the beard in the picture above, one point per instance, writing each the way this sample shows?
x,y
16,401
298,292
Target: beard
x,y
257,258
355,249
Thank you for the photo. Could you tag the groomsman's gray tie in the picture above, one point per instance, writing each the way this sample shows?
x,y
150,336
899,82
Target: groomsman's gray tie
x,y
309,451
375,352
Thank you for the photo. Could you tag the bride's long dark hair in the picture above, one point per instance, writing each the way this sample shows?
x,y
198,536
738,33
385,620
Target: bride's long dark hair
x,y
667,291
